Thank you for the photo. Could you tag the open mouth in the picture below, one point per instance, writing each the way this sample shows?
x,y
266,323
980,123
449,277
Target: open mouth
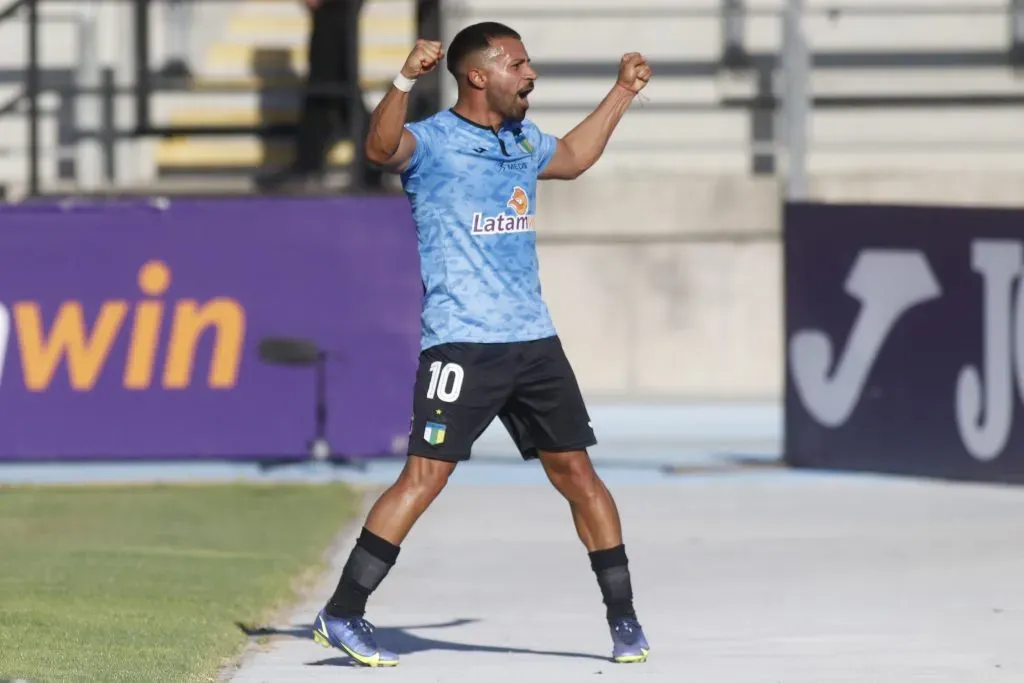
x,y
524,93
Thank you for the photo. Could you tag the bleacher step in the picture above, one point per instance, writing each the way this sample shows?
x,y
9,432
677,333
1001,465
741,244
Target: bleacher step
x,y
236,153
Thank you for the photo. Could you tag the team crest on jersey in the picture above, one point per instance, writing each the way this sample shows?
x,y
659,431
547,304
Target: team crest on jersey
x,y
521,219
434,433
524,144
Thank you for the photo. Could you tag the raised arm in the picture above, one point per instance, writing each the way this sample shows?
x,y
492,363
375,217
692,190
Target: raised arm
x,y
388,143
583,145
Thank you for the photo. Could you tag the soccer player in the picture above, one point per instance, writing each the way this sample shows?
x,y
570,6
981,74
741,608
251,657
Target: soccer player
x,y
489,348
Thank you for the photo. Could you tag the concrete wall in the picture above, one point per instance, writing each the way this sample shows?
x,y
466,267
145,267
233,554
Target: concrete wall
x,y
665,286
669,287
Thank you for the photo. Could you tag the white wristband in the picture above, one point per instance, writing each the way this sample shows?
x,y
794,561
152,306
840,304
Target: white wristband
x,y
404,84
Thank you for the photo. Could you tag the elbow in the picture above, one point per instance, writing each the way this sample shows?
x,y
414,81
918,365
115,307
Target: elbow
x,y
374,154
580,168
584,161
567,173
375,151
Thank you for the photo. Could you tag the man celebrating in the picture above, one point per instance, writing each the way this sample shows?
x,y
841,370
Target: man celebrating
x,y
489,348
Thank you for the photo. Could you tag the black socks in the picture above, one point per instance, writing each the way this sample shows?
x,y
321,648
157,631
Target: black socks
x,y
370,561
612,570
372,558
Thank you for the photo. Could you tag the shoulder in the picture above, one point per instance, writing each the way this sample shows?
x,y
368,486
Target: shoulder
x,y
532,130
435,126
431,135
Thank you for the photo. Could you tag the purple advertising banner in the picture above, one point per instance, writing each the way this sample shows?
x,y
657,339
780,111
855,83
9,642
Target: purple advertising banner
x,y
130,331
905,340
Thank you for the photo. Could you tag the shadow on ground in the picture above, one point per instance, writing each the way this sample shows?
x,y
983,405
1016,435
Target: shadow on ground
x,y
402,641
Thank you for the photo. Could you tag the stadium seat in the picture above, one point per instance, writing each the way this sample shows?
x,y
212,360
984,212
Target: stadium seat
x,y
264,47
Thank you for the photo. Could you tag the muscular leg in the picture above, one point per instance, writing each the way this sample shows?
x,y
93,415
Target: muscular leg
x,y
547,418
597,523
593,508
459,389
386,526
398,508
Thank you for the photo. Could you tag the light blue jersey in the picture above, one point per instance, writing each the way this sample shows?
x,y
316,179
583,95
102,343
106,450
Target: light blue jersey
x,y
473,193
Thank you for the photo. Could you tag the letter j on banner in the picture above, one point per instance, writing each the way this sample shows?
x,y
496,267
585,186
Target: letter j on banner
x,y
905,340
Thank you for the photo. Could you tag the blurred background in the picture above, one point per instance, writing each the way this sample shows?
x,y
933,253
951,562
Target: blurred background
x,y
817,99
803,246
752,102
663,265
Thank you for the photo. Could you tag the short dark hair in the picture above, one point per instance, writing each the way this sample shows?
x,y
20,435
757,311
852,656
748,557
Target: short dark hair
x,y
473,38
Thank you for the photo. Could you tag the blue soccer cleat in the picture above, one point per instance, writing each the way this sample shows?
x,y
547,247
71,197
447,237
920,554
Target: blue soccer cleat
x,y
628,640
354,636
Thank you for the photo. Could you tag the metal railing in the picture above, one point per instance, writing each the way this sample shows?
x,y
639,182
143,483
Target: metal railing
x,y
31,89
779,116
780,119
89,78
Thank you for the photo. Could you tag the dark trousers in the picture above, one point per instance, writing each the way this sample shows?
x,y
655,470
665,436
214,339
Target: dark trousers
x,y
335,23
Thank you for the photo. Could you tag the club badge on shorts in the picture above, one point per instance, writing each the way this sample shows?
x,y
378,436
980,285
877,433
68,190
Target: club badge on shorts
x,y
433,433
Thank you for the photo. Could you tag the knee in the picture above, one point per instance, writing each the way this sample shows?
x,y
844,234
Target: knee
x,y
424,477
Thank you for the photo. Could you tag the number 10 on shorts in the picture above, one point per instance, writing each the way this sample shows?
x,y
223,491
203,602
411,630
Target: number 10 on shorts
x,y
445,381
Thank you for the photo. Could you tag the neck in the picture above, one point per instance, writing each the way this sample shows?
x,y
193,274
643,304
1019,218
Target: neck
x,y
479,113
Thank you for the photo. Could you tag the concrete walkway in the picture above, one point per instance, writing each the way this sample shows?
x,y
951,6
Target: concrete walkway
x,y
759,576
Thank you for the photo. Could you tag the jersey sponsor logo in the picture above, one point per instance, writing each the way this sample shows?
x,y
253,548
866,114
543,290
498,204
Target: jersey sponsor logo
x,y
519,201
521,221
513,166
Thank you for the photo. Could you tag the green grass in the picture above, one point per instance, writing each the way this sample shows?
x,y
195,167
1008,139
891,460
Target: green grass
x,y
146,583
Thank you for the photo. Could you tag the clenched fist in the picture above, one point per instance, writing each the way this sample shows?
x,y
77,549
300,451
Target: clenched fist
x,y
634,72
423,59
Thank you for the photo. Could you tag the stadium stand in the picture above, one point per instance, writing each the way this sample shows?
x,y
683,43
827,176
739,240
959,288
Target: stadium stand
x,y
241,49
264,43
915,86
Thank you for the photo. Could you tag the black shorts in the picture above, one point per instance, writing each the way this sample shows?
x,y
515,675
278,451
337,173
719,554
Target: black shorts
x,y
529,386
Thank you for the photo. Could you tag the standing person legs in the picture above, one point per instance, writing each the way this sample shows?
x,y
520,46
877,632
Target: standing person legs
x,y
325,70
459,390
178,33
327,109
548,419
